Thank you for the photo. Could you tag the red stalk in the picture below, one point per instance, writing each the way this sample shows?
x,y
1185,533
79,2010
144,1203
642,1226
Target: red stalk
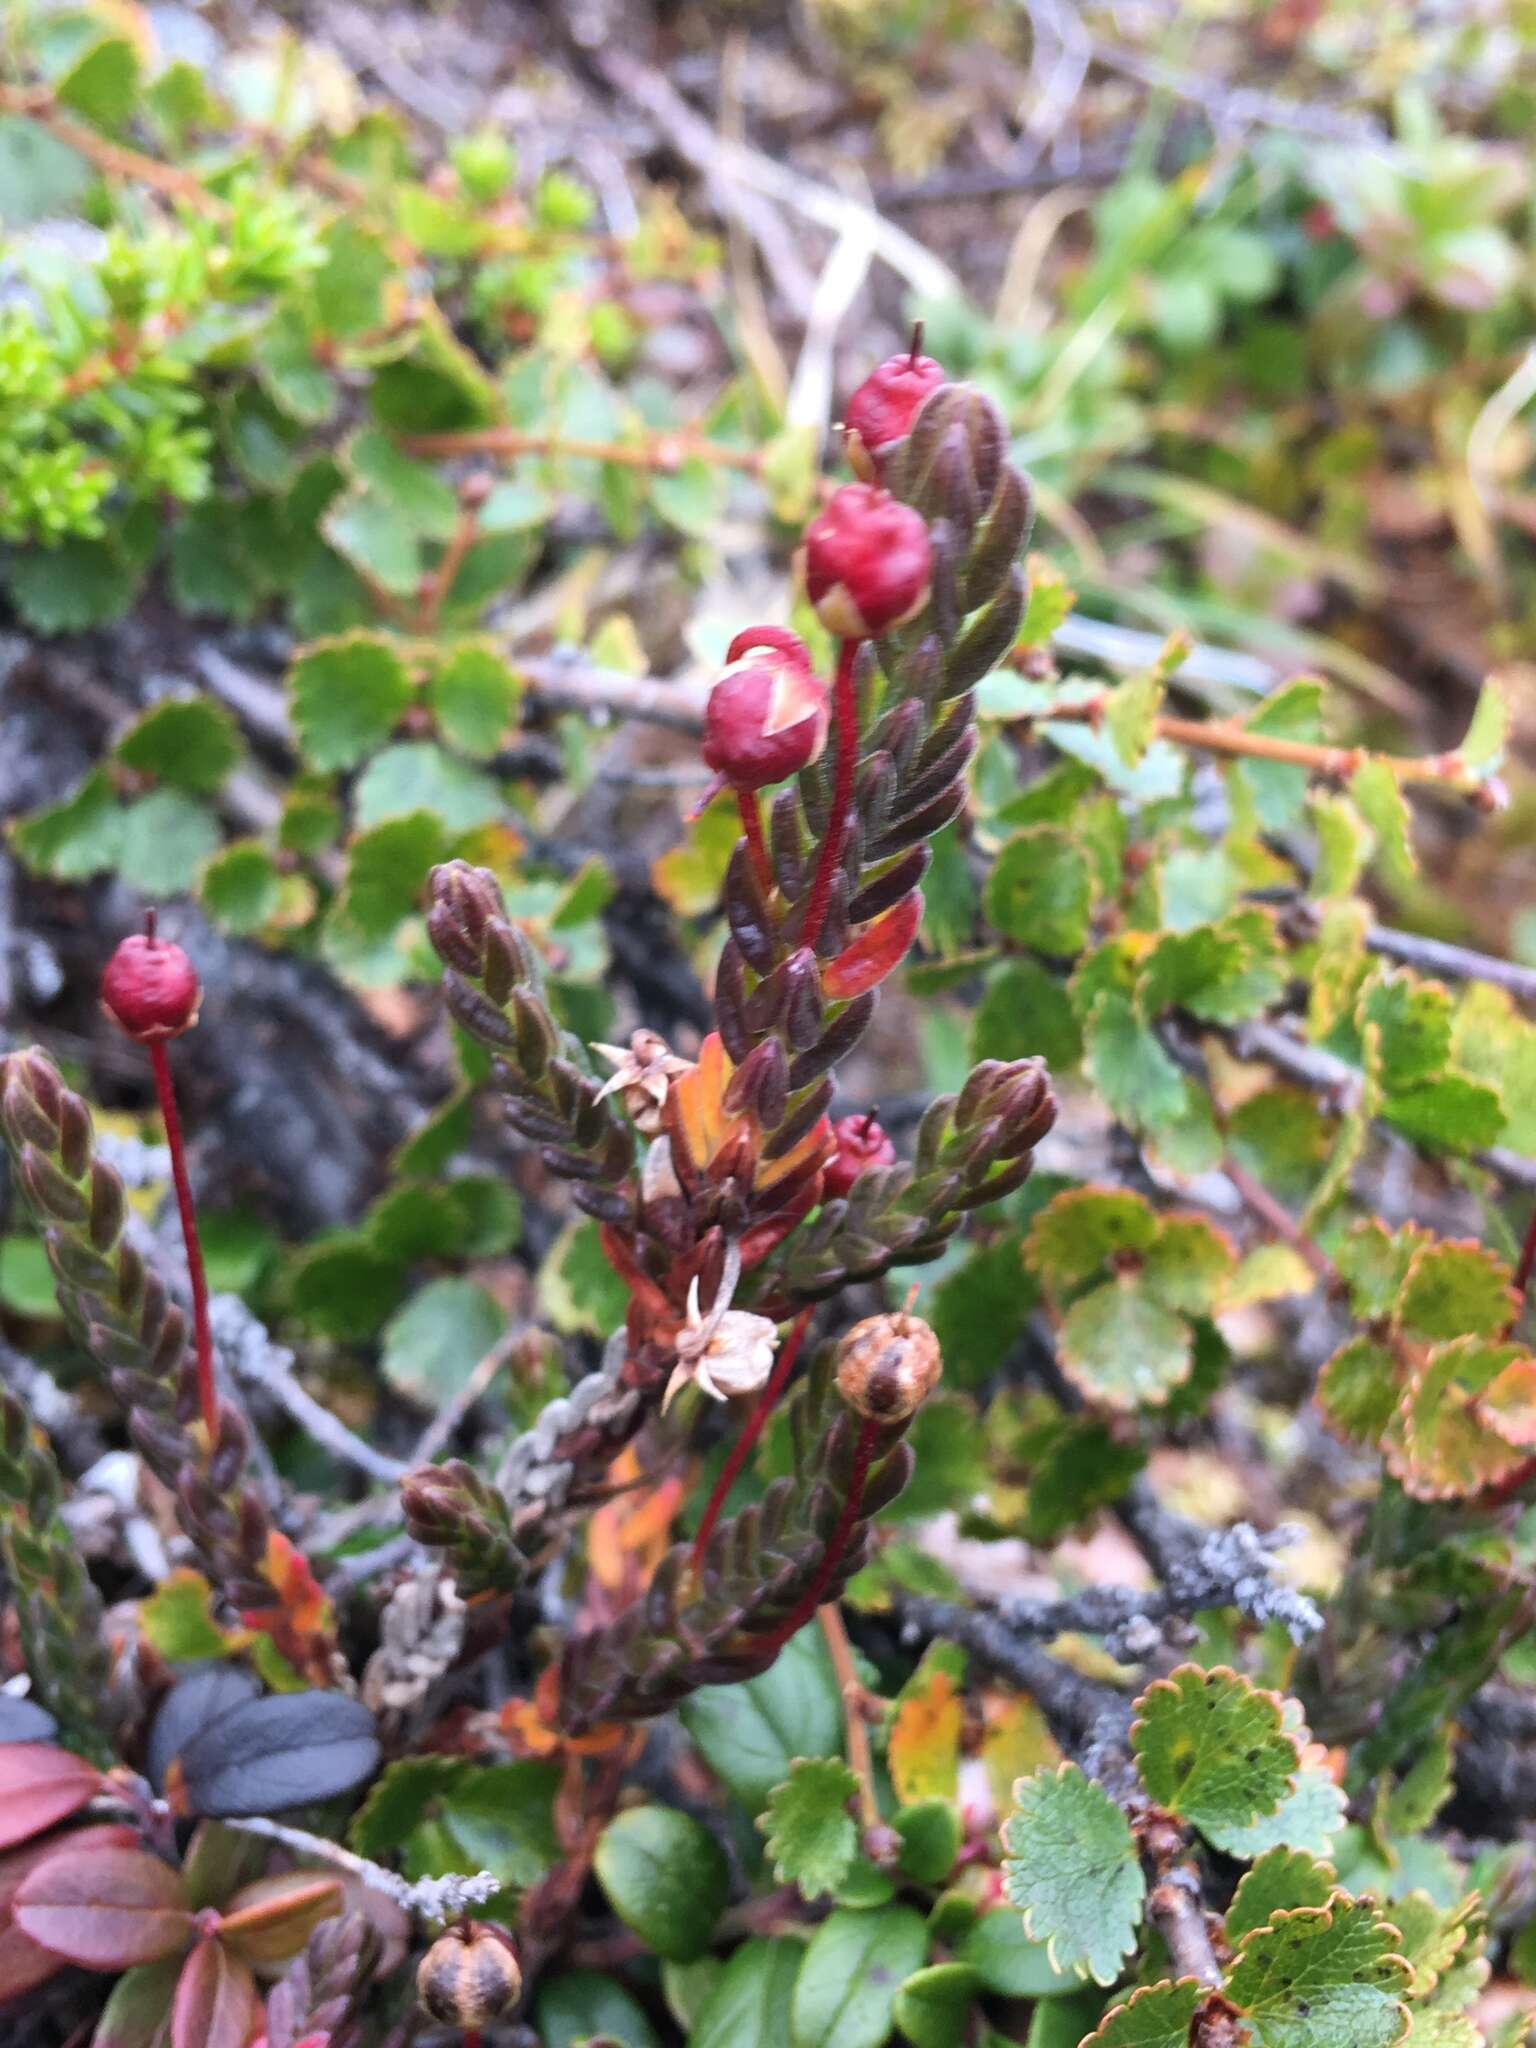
x,y
207,1399
757,1421
757,846
832,1557
845,704
1527,1263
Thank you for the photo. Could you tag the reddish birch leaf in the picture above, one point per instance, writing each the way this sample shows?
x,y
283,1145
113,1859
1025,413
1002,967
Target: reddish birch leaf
x,y
40,1785
1446,1450
104,1909
878,948
270,1920
1508,1407
215,2000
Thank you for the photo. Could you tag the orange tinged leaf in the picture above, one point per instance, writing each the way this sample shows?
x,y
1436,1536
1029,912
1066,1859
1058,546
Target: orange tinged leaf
x,y
270,1920
879,947
924,1749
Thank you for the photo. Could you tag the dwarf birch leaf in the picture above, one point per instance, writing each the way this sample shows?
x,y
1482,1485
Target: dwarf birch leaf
x,y
347,695
1079,1231
1279,1881
1071,1867
1446,1450
1322,1977
1508,1405
1156,2016
812,1837
1358,1389
1212,1748
1456,1288
1040,891
1122,1347
1414,1022
1307,1818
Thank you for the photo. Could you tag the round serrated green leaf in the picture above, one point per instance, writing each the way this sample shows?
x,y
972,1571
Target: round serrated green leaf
x,y
812,1837
1123,1347
347,694
1156,2016
1456,1288
1040,891
665,1876
1072,1869
188,743
1322,1976
1213,1748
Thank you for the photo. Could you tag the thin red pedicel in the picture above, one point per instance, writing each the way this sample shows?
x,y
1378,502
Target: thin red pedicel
x,y
757,846
757,1421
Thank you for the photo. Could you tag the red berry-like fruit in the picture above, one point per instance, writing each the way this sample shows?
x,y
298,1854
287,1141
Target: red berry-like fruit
x,y
767,716
861,1143
880,413
151,989
868,561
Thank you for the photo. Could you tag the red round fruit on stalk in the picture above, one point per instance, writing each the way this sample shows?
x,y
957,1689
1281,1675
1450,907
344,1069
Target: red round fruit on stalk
x,y
150,989
861,1144
868,561
767,716
880,413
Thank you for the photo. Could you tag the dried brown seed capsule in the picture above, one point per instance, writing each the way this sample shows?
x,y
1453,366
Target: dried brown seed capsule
x,y
887,1366
469,1977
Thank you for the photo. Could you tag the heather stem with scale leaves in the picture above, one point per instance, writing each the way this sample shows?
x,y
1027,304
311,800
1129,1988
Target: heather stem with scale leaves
x,y
121,1313
58,1610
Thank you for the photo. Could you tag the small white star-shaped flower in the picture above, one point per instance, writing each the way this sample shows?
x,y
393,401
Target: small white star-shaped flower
x,y
643,1072
729,1351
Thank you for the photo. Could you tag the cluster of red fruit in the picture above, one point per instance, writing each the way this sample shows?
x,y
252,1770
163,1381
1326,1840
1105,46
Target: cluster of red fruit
x,y
867,563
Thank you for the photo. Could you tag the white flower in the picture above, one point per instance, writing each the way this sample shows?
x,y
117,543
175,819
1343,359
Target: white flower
x,y
729,1351
644,1070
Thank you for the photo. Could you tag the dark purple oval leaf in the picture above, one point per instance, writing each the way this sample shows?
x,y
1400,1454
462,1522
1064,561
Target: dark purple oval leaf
x,y
40,1785
105,1909
271,1754
191,1705
23,1720
215,2000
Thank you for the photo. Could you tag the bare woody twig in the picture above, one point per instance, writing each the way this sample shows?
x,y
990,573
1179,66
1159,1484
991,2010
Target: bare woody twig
x,y
37,103
255,1361
1334,764
1076,1708
1174,1906
1326,1074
